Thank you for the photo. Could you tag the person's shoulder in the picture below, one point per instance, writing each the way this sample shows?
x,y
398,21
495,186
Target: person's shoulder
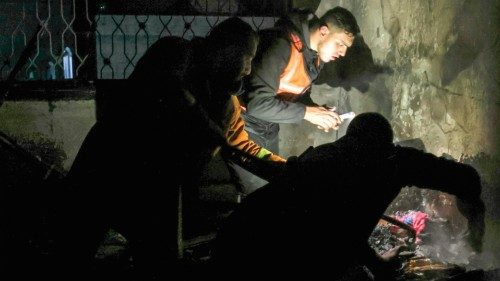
x,y
295,18
273,34
163,48
197,42
274,39
168,41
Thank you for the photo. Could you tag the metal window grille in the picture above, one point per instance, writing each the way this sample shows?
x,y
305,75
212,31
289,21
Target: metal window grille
x,y
88,39
123,39
65,25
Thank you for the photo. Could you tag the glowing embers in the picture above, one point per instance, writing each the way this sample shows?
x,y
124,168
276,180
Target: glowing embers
x,y
421,268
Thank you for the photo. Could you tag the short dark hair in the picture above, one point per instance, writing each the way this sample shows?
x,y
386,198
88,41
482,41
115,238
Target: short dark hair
x,y
340,18
371,126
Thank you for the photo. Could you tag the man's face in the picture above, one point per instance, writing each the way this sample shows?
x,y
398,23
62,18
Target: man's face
x,y
235,62
246,60
334,45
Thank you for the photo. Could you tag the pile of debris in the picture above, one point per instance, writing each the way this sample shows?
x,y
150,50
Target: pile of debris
x,y
426,257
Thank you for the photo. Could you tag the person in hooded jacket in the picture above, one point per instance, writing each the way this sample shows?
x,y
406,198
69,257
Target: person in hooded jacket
x,y
289,58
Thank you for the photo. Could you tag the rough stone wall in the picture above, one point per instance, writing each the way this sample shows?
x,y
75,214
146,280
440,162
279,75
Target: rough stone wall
x,y
439,83
445,87
442,83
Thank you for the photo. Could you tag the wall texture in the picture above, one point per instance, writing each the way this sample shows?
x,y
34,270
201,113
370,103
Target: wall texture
x,y
440,78
435,78
53,131
437,65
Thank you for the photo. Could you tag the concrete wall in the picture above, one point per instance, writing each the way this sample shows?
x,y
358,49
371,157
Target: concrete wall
x,y
52,131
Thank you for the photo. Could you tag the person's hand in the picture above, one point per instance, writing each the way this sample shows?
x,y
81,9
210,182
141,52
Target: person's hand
x,y
388,264
392,254
323,118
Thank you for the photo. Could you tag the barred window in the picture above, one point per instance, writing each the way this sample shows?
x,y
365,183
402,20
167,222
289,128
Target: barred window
x,y
89,39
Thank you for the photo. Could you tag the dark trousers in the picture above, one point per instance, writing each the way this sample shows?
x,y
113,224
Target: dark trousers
x,y
269,141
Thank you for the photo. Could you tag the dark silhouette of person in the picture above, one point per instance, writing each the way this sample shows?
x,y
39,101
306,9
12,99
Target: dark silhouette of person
x,y
294,227
151,144
126,175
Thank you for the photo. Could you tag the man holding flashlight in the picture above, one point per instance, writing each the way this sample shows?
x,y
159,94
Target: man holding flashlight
x,y
289,58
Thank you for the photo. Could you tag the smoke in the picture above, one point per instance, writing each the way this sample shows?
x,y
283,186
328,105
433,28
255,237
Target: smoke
x,y
444,238
440,243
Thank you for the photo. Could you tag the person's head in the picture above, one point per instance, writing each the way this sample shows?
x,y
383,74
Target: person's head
x,y
159,63
371,126
230,48
334,33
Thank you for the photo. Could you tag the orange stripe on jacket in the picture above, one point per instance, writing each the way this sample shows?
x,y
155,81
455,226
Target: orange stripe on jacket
x,y
237,137
295,79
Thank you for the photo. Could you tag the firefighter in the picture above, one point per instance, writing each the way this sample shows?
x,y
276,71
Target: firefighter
x,y
290,57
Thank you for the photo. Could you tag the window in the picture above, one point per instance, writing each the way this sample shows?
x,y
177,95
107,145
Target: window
x,y
87,39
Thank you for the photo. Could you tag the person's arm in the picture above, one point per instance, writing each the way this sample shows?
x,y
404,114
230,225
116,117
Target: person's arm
x,y
324,118
426,170
262,86
306,99
382,266
238,138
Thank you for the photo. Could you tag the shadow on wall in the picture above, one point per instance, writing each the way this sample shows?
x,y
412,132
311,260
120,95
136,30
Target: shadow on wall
x,y
488,168
356,70
473,30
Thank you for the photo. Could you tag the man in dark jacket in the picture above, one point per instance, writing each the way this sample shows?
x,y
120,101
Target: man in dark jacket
x,y
295,227
289,58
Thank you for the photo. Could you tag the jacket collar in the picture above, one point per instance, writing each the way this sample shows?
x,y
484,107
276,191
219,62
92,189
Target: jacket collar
x,y
298,23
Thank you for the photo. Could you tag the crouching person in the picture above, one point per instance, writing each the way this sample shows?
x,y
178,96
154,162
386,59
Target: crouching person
x,y
295,227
